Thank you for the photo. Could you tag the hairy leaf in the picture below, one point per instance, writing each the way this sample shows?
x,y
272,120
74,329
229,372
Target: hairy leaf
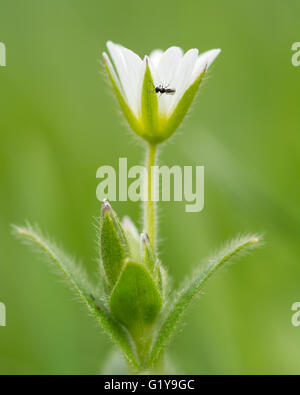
x,y
188,293
79,282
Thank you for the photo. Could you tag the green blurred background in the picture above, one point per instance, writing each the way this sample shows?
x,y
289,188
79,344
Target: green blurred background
x,y
58,124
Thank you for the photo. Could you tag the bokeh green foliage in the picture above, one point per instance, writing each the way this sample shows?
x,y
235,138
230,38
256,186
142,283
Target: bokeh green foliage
x,y
57,126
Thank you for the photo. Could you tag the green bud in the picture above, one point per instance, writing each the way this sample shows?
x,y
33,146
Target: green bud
x,y
150,260
132,237
113,245
148,255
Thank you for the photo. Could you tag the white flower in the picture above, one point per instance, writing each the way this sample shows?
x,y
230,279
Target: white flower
x,y
155,115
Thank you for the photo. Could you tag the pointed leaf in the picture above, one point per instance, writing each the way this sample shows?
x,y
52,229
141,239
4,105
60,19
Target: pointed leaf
x,y
79,282
187,294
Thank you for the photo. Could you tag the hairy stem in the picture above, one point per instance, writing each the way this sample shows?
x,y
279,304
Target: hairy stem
x,y
150,218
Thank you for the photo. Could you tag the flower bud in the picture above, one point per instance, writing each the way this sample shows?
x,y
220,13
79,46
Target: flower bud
x,y
147,253
113,245
150,260
132,237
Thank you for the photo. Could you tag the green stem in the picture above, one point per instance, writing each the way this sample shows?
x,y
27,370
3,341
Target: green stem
x,y
150,204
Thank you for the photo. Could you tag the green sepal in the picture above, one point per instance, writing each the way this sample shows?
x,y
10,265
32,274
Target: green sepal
x,y
169,126
149,106
113,245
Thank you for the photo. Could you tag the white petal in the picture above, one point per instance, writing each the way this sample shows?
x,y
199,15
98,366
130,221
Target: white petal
x,y
134,64
169,64
155,56
183,75
118,61
126,63
141,78
204,61
170,69
167,70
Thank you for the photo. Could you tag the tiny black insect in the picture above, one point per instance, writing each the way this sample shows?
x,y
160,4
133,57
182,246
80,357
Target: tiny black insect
x,y
164,89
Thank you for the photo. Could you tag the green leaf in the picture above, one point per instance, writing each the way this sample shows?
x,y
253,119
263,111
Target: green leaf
x,y
113,245
187,294
149,106
170,125
79,282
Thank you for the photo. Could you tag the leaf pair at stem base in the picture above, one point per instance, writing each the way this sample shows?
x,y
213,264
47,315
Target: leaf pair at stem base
x,y
132,315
